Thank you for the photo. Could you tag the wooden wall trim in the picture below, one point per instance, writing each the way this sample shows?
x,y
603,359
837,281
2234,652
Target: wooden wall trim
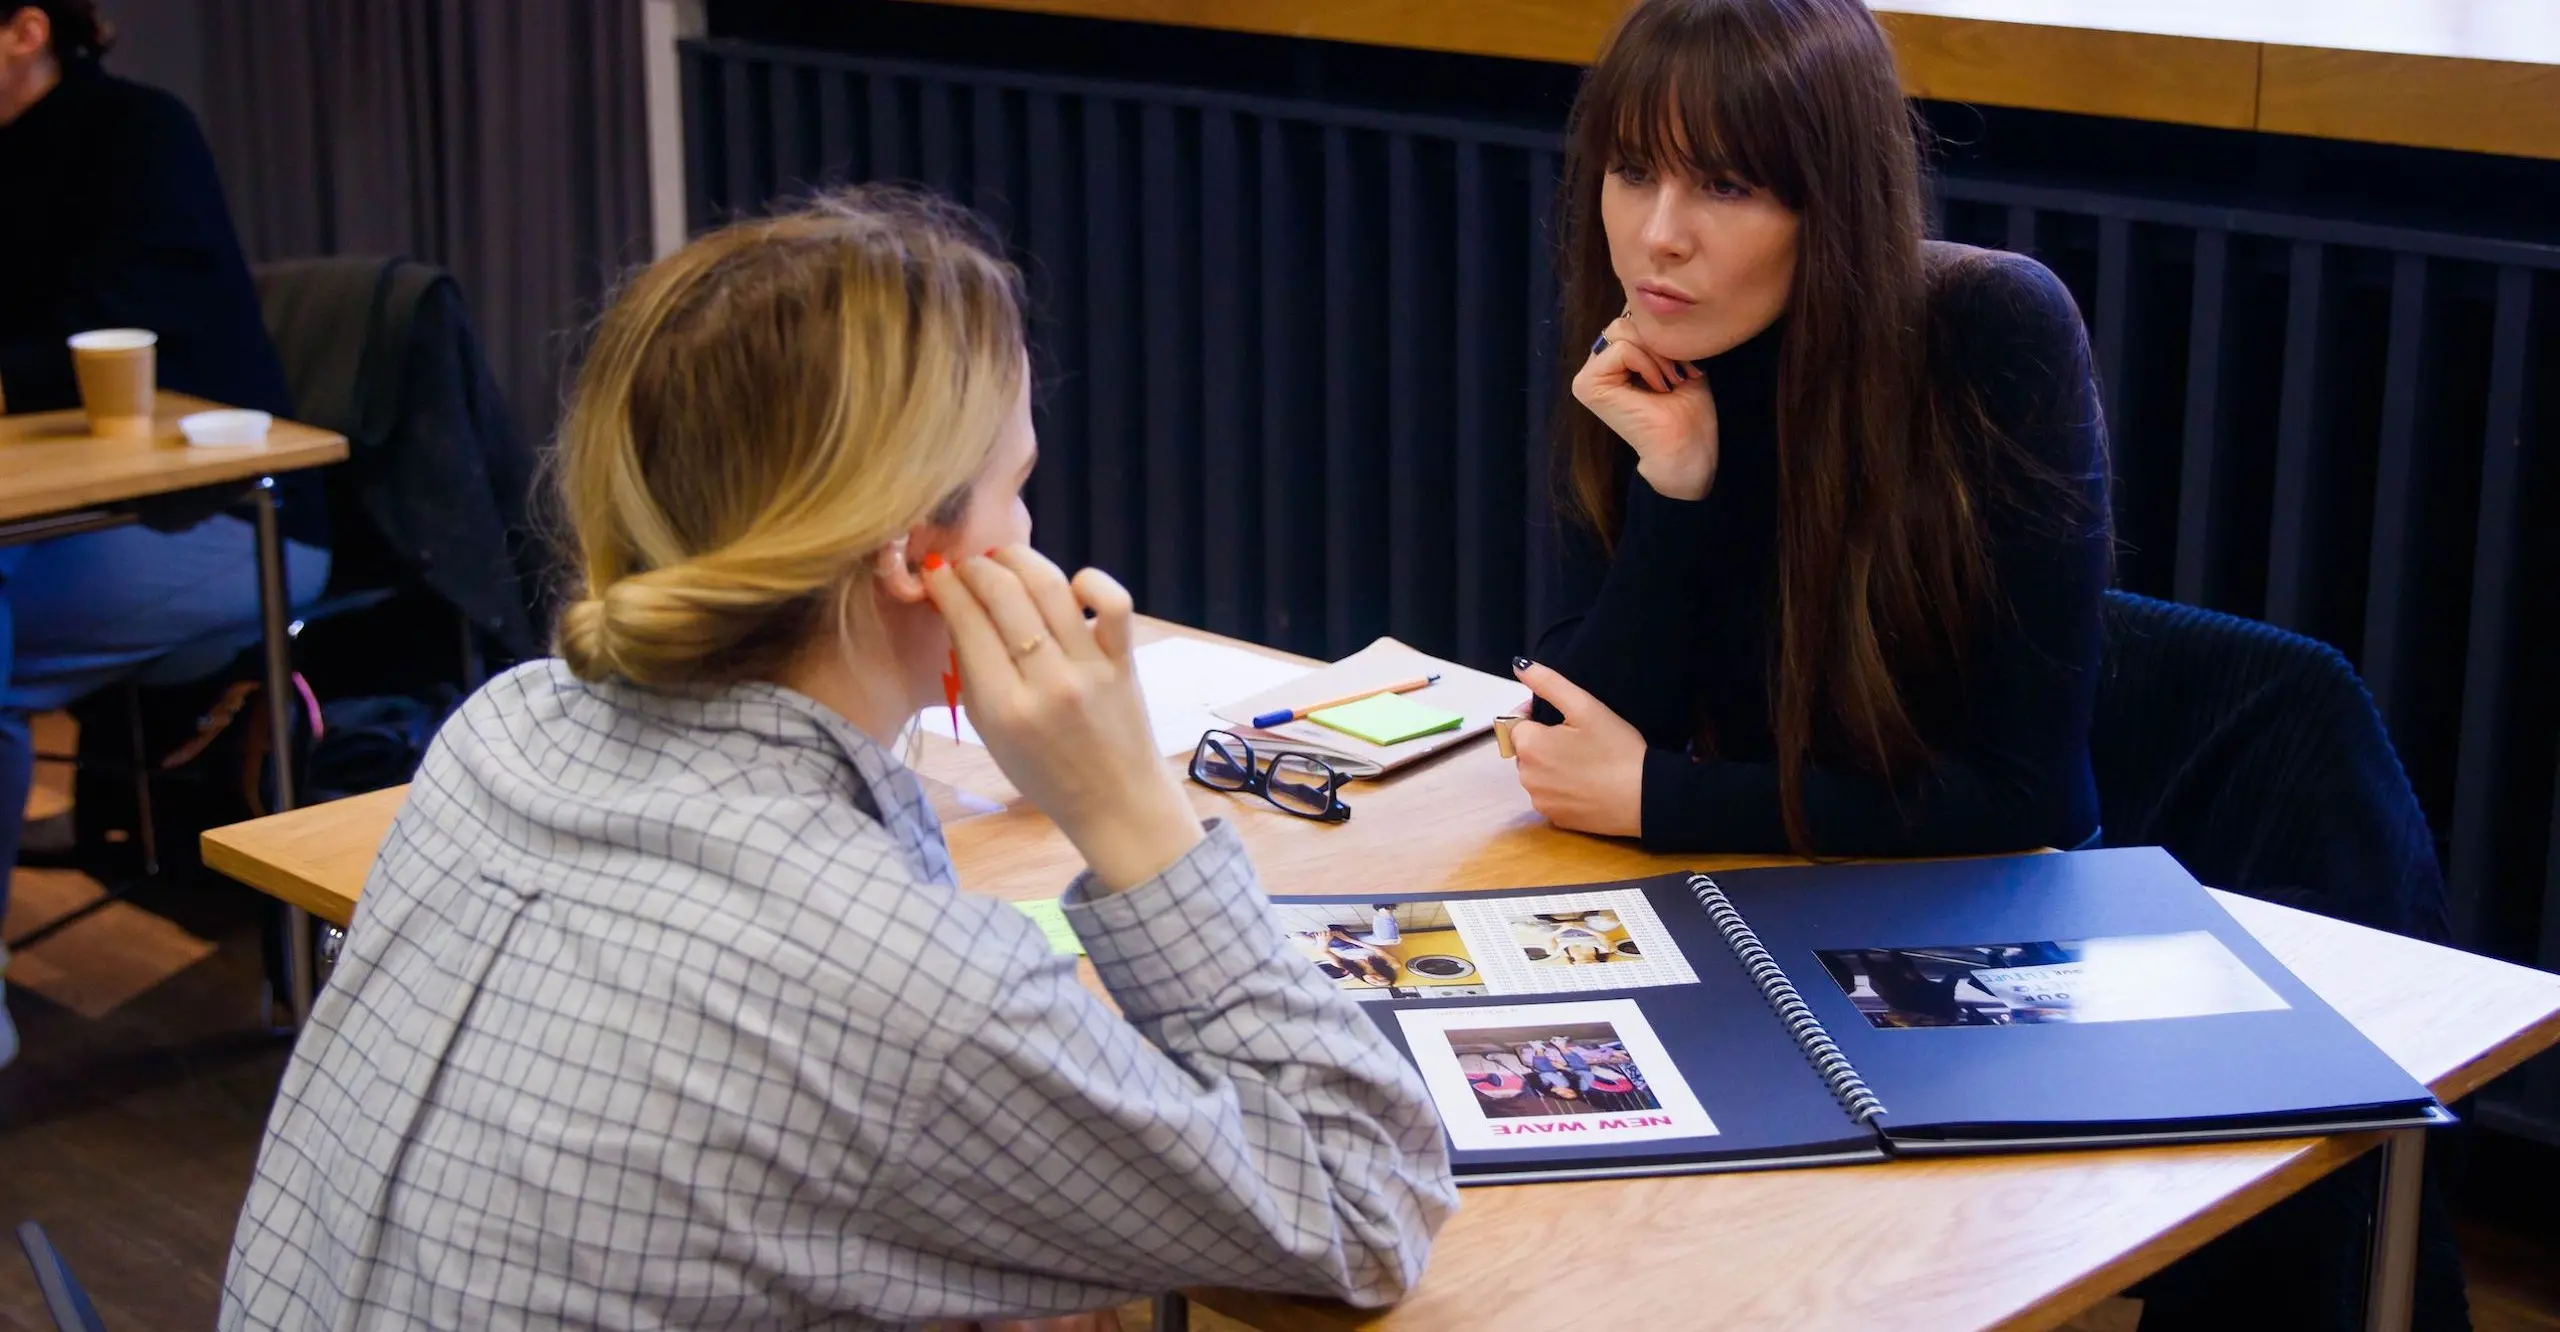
x,y
2188,78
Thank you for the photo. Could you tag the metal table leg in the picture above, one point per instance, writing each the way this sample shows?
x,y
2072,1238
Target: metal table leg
x,y
275,611
2391,1277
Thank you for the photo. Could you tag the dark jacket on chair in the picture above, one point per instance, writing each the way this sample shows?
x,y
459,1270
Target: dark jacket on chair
x,y
437,487
2256,757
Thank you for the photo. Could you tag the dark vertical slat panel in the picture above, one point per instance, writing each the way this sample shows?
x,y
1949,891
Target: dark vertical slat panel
x,y
1348,545
2395,494
2022,229
702,78
2548,954
1056,274
738,119
835,127
791,173
1111,322
2290,560
2488,660
1230,546
888,129
2198,542
1169,282
938,137
991,157
2114,320
1292,468
1471,494
1538,600
1409,486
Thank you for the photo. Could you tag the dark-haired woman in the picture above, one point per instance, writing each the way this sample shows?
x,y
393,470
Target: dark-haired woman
x,y
1835,494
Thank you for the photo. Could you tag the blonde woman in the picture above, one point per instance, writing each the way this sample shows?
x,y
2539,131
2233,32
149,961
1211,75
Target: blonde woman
x,y
662,1007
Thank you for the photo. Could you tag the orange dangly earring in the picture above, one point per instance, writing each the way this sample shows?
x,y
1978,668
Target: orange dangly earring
x,y
951,692
933,562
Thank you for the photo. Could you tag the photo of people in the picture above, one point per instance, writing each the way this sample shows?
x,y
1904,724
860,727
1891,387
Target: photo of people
x,y
2120,979
1574,938
1552,943
1568,1069
1518,1076
1396,950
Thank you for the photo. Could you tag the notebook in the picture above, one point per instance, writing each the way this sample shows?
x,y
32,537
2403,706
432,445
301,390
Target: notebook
x,y
1834,1014
1475,696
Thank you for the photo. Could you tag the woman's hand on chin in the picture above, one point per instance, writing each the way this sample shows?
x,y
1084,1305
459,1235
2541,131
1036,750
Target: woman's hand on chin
x,y
1661,407
1586,773
1055,697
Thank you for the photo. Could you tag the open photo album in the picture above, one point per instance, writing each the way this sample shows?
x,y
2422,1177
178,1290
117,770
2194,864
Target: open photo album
x,y
1834,1014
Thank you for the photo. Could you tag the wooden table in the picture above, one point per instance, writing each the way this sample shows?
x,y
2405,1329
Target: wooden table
x,y
2012,1242
2474,75
57,479
52,467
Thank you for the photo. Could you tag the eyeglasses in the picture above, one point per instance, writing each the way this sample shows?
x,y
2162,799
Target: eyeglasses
x,y
1300,784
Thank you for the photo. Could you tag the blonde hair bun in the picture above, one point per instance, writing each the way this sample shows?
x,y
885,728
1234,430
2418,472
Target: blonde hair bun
x,y
761,411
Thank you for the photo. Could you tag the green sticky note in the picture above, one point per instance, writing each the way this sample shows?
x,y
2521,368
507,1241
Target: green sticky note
x,y
1045,913
1387,719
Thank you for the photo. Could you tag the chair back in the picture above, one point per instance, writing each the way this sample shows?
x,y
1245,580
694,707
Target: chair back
x,y
436,490
2256,757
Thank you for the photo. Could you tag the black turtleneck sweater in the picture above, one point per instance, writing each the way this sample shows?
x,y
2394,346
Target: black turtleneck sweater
x,y
111,216
1680,626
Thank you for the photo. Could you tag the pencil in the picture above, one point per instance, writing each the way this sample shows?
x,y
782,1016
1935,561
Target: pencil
x,y
1287,715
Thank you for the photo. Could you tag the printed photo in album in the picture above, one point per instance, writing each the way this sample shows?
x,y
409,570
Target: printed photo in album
x,y
1581,1072
1528,944
2123,979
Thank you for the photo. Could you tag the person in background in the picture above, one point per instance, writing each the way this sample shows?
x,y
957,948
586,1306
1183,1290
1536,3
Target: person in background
x,y
111,216
1836,495
663,1006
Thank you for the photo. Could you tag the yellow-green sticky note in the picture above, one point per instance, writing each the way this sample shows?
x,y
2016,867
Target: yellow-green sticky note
x,y
1045,913
1387,719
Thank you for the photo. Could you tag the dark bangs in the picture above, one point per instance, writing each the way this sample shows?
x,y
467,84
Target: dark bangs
x,y
1694,88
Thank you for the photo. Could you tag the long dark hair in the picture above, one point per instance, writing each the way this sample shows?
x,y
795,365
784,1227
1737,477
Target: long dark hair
x,y
1881,567
79,33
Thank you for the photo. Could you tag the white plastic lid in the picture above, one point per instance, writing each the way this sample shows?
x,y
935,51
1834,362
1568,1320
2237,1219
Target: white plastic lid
x,y
229,427
113,339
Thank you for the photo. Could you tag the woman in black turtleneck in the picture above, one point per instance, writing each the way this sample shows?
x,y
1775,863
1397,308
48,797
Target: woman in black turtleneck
x,y
1835,495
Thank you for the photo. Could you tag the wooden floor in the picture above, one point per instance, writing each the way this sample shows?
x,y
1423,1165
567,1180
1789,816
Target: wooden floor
x,y
130,1132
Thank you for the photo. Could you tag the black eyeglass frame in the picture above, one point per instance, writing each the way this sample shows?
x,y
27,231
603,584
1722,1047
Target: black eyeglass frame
x,y
1257,781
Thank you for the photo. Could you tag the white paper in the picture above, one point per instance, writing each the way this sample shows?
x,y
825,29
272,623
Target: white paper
x,y
1483,1066
1182,679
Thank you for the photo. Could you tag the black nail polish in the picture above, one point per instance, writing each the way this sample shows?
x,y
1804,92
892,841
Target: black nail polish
x,y
1521,664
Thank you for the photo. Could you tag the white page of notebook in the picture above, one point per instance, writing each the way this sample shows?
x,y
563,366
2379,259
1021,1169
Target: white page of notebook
x,y
1474,695
1182,678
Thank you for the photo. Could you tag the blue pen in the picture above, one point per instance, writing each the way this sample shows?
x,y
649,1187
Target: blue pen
x,y
1286,715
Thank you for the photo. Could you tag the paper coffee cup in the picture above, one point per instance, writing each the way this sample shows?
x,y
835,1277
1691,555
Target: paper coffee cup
x,y
118,370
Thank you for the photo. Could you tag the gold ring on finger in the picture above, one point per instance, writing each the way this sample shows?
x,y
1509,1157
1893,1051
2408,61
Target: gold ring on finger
x,y
1028,646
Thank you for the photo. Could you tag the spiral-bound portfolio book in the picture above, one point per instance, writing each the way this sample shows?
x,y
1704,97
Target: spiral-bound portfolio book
x,y
1834,1014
